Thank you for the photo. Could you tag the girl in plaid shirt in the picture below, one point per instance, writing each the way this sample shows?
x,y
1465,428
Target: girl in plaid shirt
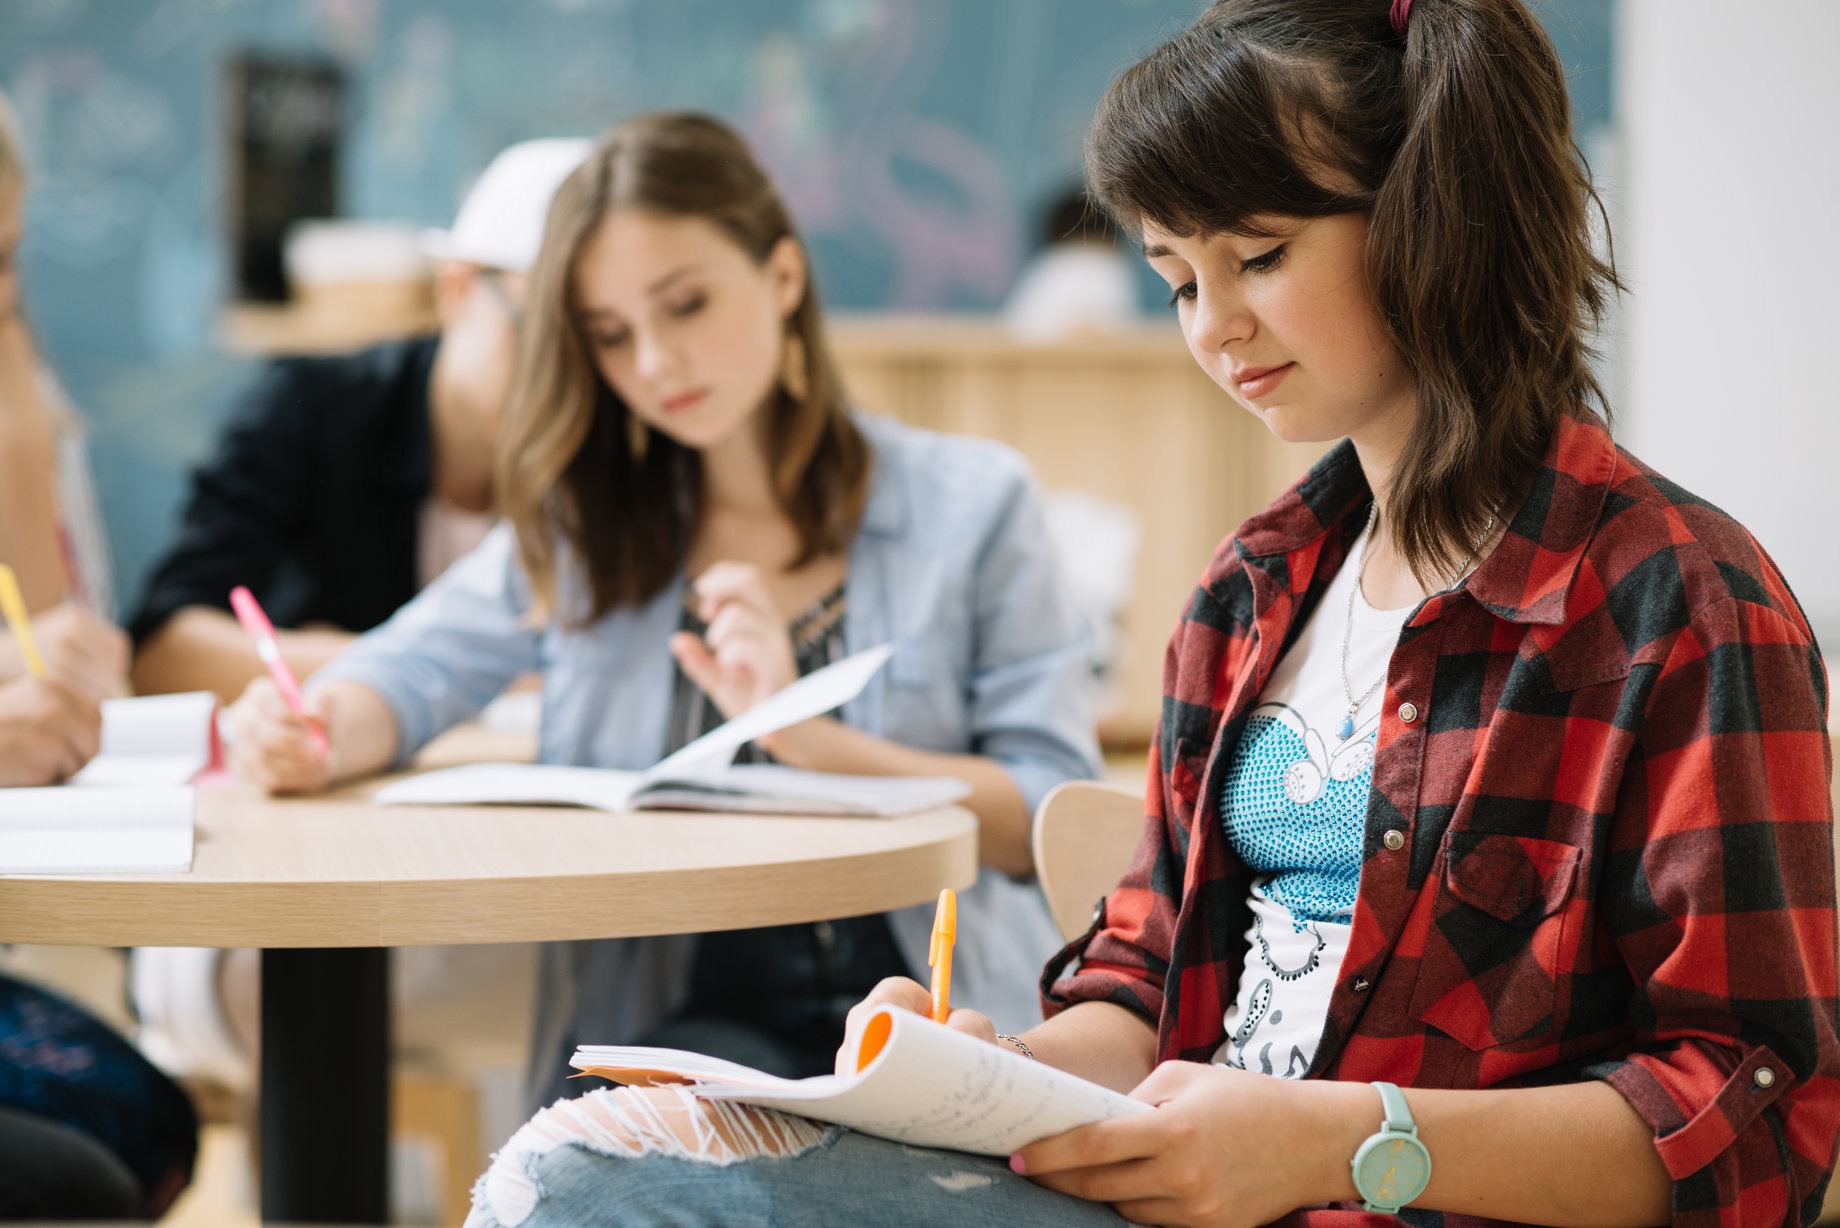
x,y
1583,913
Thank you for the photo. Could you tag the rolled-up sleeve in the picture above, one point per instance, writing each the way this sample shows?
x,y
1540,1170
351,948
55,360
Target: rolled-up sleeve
x,y
1125,957
450,651
1719,891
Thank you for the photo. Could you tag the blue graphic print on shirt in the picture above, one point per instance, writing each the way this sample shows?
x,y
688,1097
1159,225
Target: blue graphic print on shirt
x,y
1295,813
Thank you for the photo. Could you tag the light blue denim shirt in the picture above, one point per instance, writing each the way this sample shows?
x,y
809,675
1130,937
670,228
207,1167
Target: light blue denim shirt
x,y
952,564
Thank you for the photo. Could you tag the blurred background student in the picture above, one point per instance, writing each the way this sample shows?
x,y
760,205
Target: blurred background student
x,y
1078,281
50,532
346,483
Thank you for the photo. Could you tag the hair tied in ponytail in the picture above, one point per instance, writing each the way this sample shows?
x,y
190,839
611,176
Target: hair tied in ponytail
x,y
1400,13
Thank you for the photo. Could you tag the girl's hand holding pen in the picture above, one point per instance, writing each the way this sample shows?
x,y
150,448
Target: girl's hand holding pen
x,y
275,747
908,995
746,655
48,731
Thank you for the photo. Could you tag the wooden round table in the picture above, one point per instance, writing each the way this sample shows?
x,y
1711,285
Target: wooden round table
x,y
326,885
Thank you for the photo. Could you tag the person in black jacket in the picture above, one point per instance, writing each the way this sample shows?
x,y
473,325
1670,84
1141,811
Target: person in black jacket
x,y
343,484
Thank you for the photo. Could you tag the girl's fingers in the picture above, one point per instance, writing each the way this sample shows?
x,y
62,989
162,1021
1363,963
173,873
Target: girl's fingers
x,y
1105,1143
1133,1182
897,991
697,662
274,746
972,1023
738,622
729,583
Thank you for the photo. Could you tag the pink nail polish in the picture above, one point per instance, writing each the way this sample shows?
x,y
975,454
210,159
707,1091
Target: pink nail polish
x,y
1017,1166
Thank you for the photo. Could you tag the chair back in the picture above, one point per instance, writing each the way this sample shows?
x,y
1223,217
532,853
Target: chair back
x,y
1083,838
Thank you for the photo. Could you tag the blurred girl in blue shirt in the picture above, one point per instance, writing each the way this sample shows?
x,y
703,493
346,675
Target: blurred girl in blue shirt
x,y
694,520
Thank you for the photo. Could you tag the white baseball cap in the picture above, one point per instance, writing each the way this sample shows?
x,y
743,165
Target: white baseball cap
x,y
500,223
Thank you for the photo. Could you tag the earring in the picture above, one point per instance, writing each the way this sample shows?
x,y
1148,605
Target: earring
x,y
638,436
792,373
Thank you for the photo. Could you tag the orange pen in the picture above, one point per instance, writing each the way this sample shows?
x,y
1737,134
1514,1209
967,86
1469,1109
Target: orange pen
x,y
939,953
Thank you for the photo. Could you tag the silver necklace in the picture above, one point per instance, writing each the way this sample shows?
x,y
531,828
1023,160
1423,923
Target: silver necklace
x,y
1360,565
1346,730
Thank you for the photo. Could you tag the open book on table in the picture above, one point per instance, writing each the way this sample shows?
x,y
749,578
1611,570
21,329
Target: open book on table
x,y
916,1082
748,788
130,809
702,776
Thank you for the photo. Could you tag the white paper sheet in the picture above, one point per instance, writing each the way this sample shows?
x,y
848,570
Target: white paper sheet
x,y
748,788
151,741
514,783
67,831
929,1086
813,695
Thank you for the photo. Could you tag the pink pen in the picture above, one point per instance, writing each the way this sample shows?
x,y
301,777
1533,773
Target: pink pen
x,y
254,621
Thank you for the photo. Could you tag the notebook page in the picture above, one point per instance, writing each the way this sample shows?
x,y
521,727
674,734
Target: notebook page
x,y
816,693
771,788
934,1087
514,784
152,740
65,831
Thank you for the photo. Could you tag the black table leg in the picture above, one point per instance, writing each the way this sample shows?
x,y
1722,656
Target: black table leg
x,y
325,1115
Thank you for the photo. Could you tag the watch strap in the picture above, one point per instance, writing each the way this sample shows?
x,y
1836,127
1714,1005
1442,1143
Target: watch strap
x,y
1393,1105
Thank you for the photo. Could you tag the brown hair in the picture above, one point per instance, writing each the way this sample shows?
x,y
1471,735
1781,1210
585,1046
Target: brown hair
x,y
1456,141
568,467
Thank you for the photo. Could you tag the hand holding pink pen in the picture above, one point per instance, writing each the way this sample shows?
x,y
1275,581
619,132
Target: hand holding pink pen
x,y
256,623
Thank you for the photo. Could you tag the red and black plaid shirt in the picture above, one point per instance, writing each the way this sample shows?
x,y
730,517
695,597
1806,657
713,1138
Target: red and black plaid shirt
x,y
1606,752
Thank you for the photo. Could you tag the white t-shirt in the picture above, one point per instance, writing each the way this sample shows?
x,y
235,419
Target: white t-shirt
x,y
1294,805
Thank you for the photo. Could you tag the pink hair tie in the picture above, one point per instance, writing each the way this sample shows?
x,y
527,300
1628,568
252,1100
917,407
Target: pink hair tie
x,y
1400,14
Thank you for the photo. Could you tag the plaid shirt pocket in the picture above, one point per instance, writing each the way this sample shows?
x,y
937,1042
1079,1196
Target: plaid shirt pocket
x,y
1496,963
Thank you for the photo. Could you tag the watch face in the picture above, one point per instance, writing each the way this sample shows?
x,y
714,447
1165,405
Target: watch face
x,y
1392,1169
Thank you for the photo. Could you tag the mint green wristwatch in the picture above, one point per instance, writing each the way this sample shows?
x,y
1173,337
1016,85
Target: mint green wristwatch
x,y
1392,1167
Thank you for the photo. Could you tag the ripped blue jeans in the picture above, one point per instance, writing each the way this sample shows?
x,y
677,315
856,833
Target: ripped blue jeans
x,y
659,1157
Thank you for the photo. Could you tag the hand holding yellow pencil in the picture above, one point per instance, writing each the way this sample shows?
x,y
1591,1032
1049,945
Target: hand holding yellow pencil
x,y
13,606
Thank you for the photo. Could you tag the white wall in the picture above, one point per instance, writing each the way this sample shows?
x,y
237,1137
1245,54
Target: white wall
x,y
1729,236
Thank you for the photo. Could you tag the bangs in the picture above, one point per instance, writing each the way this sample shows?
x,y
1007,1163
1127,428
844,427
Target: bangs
x,y
1193,139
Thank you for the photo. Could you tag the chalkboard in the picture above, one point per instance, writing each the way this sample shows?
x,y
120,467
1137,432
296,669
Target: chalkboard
x,y
284,120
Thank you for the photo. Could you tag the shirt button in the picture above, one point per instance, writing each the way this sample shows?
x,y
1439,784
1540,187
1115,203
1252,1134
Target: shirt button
x,y
1394,839
1765,1077
1408,713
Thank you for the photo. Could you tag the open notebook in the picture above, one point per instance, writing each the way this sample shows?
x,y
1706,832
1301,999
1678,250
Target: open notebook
x,y
916,1082
130,809
747,788
702,776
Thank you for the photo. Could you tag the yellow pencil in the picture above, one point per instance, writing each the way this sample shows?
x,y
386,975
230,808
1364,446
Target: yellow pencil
x,y
13,605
